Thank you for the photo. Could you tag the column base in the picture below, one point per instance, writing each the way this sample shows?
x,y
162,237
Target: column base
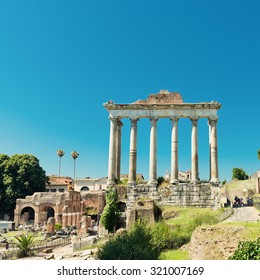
x,y
111,183
195,181
174,181
214,181
152,182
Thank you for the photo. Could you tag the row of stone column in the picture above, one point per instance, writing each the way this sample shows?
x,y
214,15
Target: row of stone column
x,y
115,151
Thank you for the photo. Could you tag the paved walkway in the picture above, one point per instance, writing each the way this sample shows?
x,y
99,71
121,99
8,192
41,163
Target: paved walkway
x,y
244,214
61,253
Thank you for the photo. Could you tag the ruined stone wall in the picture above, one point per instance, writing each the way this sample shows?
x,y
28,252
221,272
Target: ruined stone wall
x,y
97,199
144,209
121,193
67,207
183,194
257,186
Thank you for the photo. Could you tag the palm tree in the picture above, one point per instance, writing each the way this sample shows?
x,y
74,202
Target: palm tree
x,y
24,244
60,153
74,155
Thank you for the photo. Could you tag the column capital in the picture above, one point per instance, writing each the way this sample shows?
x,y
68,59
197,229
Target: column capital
x,y
114,119
154,119
174,118
119,122
135,119
212,120
194,120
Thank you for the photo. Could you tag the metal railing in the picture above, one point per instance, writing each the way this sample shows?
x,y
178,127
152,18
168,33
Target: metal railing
x,y
39,246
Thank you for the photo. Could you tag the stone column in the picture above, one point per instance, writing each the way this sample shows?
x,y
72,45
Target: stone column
x,y
112,152
174,151
118,149
133,151
153,152
213,151
209,151
194,151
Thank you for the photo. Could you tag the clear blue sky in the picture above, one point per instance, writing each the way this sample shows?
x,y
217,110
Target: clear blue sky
x,y
61,60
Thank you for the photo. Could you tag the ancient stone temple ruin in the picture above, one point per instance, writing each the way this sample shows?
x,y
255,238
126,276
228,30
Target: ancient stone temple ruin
x,y
165,105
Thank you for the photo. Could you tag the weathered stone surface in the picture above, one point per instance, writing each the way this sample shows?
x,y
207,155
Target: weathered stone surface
x,y
68,207
85,223
141,208
183,194
50,226
215,242
163,97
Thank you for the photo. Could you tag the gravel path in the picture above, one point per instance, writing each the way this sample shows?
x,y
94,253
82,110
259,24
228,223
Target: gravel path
x,y
244,214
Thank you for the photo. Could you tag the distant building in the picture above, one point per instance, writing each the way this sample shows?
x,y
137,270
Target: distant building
x,y
58,184
167,176
125,176
183,175
90,184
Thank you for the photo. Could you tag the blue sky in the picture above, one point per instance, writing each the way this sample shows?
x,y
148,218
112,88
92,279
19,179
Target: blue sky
x,y
61,60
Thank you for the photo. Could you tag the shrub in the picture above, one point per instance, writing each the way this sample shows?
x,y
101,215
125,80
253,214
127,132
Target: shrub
x,y
90,210
134,245
162,236
247,250
168,237
58,227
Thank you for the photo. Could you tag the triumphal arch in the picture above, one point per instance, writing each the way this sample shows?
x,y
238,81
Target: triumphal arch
x,y
169,105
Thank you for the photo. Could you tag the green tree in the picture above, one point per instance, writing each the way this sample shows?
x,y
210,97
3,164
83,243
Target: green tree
x,y
239,174
134,245
258,154
110,214
24,244
160,180
3,160
20,175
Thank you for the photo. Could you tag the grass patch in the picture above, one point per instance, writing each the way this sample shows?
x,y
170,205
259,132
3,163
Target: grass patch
x,y
237,187
10,235
185,221
252,230
174,255
189,218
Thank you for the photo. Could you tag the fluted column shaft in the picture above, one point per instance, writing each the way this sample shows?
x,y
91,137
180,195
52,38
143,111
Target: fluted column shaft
x,y
213,151
153,151
133,152
194,151
112,152
118,149
174,151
